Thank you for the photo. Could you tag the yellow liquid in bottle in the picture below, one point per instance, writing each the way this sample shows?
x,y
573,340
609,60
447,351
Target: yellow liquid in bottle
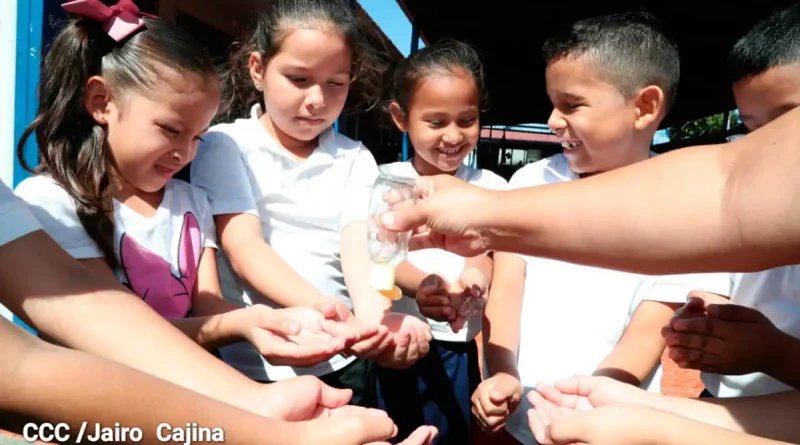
x,y
382,280
392,294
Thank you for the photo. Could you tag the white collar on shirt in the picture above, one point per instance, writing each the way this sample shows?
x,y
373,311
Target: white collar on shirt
x,y
328,141
462,172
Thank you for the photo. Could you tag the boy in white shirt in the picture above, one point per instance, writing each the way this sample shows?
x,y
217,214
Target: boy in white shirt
x,y
611,79
752,348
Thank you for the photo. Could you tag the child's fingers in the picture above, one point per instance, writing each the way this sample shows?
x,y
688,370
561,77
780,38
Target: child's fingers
x,y
433,284
280,352
495,423
735,313
473,278
696,325
327,309
695,359
396,357
556,397
412,353
538,427
435,306
542,406
702,366
433,300
351,332
484,399
690,341
440,313
457,324
373,346
331,397
695,302
708,298
480,415
276,322
423,435
684,355
424,342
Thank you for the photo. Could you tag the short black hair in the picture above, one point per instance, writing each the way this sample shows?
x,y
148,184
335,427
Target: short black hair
x,y
774,41
630,50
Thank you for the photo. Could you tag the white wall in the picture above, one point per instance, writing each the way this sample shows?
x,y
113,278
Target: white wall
x,y
8,58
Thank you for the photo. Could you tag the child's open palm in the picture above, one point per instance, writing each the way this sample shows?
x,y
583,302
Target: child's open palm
x,y
452,302
411,340
300,336
579,394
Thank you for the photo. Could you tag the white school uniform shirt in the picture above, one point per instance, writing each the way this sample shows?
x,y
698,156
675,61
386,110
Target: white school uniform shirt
x,y
16,218
16,221
448,265
302,207
776,294
158,256
573,315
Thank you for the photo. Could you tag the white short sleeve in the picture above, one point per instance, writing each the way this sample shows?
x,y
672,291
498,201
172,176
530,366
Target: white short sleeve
x,y
492,181
359,188
219,170
209,231
522,178
16,220
675,288
55,210
207,219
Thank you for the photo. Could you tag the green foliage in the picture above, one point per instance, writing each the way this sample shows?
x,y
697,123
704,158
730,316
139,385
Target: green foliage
x,y
706,126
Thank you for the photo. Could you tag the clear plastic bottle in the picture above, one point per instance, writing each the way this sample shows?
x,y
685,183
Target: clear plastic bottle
x,y
387,249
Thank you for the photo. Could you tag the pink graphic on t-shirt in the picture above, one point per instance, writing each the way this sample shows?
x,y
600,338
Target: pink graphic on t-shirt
x,y
150,277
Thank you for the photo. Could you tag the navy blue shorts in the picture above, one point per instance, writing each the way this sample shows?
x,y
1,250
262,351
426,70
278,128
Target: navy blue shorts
x,y
358,376
434,391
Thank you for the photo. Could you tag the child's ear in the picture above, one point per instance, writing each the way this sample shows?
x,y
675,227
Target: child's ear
x,y
398,116
650,106
96,98
256,69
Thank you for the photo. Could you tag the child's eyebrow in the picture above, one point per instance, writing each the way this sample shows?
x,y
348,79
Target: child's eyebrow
x,y
296,66
571,96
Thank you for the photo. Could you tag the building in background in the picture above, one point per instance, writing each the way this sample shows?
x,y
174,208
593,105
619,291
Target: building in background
x,y
27,27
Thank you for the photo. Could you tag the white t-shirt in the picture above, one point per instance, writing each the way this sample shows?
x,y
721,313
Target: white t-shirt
x,y
158,256
573,316
776,294
303,207
448,265
16,221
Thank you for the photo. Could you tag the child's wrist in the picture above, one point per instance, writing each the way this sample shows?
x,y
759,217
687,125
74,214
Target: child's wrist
x,y
374,312
236,324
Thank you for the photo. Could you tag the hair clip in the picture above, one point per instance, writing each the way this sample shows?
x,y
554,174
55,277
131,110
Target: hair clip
x,y
119,21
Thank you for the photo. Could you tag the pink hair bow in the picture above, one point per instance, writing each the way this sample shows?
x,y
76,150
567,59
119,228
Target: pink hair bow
x,y
119,21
